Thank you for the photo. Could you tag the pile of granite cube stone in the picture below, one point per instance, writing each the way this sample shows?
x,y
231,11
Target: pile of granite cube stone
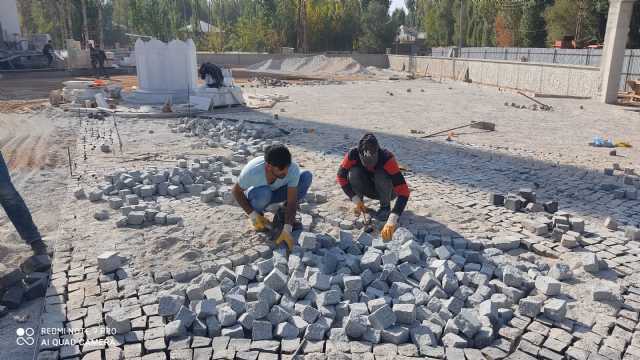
x,y
241,136
624,183
135,193
524,199
429,292
28,282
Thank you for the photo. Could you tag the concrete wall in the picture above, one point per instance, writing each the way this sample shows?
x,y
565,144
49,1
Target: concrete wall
x,y
550,79
9,19
246,59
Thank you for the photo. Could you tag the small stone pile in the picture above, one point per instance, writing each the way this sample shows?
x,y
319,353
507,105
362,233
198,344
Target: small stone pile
x,y
423,293
267,82
135,193
533,107
243,137
523,200
24,284
626,186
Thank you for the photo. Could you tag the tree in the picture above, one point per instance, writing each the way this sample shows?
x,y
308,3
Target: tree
x,y
85,28
398,17
99,6
438,22
533,32
376,32
412,16
576,18
504,36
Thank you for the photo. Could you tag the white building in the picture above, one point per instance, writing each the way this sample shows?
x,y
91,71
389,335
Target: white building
x,y
9,20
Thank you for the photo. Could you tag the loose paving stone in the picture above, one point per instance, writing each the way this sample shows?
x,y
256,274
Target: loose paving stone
x,y
555,309
605,292
382,318
548,286
170,305
109,261
118,321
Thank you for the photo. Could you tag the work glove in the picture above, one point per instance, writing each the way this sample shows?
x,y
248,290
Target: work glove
x,y
285,236
390,227
258,221
359,205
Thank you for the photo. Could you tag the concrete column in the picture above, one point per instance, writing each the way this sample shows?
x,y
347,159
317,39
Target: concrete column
x,y
615,41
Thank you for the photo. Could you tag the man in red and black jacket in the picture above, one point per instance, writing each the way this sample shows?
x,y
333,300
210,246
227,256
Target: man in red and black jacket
x,y
370,171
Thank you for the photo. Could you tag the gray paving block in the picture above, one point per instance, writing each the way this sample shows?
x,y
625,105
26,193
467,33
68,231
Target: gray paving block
x,y
261,330
382,318
276,280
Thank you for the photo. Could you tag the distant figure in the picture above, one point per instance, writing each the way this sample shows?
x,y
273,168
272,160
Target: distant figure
x,y
212,75
98,58
47,50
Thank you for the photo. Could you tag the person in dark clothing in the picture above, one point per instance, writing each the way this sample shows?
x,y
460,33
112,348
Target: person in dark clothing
x,y
368,170
98,58
18,213
47,50
212,74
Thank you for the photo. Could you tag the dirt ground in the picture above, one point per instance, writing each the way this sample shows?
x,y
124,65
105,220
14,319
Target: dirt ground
x,y
325,121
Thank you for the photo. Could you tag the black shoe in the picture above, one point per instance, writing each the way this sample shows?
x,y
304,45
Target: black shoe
x,y
39,248
383,213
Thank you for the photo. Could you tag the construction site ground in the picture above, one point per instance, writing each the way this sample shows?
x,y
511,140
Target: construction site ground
x,y
547,151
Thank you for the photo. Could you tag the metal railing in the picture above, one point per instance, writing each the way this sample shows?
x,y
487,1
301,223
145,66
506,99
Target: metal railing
x,y
586,57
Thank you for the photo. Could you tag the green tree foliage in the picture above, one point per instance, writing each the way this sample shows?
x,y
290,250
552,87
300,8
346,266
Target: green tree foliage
x,y
438,21
532,25
331,25
376,30
578,18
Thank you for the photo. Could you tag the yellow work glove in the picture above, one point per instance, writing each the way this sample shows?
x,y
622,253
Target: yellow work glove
x,y
258,221
285,236
390,227
359,205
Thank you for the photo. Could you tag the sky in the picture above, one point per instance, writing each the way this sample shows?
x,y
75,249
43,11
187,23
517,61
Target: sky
x,y
396,4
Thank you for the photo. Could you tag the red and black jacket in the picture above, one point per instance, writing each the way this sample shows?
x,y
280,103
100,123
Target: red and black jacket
x,y
386,161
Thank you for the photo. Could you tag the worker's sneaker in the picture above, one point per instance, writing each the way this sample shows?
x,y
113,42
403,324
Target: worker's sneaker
x,y
383,213
39,248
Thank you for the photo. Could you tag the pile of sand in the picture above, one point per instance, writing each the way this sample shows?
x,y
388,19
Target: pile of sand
x,y
319,64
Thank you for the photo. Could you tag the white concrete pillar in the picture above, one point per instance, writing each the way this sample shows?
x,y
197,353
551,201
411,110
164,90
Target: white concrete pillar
x,y
615,41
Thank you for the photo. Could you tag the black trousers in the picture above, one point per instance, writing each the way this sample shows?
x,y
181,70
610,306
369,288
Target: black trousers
x,y
98,68
376,185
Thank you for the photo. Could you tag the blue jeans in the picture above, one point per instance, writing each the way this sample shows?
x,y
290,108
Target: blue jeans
x,y
15,207
262,196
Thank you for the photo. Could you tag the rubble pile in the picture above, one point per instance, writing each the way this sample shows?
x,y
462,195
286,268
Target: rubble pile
x,y
524,199
267,82
28,282
136,194
532,107
244,137
625,183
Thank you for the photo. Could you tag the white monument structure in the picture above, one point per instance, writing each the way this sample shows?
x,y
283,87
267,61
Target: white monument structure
x,y
9,20
168,71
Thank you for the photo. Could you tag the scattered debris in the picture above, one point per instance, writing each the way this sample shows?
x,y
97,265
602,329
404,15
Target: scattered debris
x,y
482,125
543,106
